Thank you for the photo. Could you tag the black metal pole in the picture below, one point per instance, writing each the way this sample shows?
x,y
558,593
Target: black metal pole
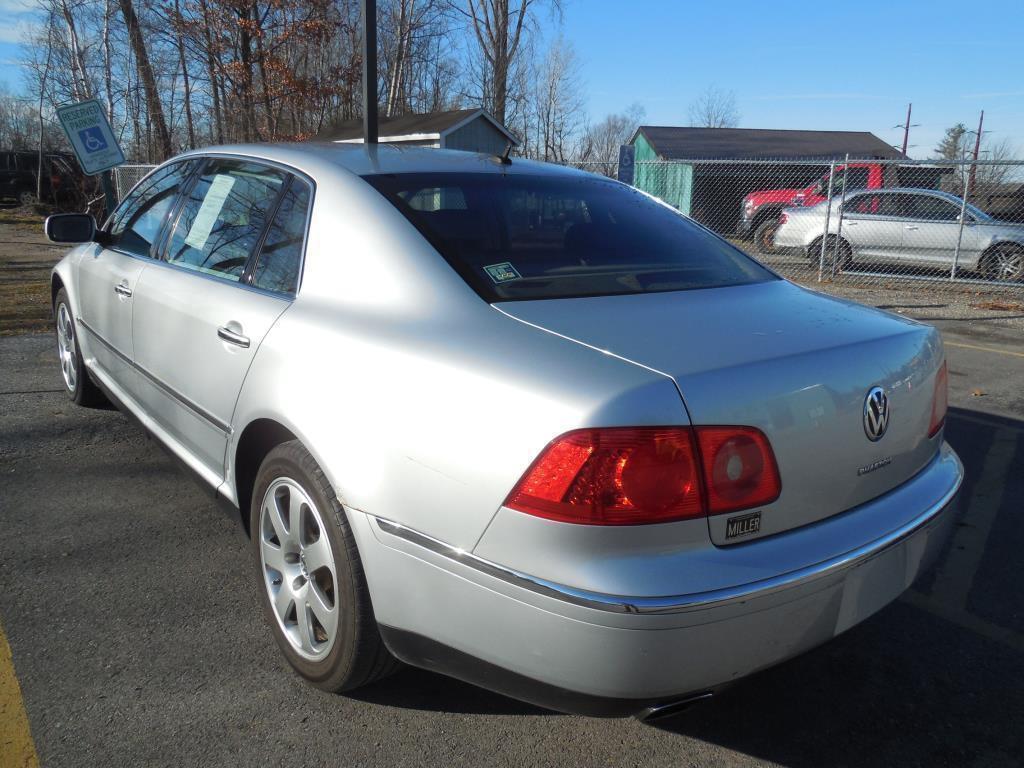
x,y
108,192
370,71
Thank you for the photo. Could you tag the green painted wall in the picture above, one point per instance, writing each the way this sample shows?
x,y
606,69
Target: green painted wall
x,y
672,182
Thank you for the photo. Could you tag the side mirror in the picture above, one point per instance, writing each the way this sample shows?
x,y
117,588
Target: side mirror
x,y
70,228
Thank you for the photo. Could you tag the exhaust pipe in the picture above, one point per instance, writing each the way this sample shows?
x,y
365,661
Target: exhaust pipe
x,y
670,708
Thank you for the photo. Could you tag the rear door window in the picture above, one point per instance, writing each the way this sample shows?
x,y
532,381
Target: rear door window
x,y
520,236
223,217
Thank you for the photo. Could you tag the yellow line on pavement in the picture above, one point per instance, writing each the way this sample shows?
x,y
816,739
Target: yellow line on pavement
x,y
17,749
982,349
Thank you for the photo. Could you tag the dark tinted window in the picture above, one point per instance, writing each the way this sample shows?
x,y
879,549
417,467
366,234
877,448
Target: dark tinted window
x,y
223,216
875,204
137,221
532,237
931,208
277,267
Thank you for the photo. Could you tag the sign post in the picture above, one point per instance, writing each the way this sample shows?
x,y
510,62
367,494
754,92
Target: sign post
x,y
96,148
627,163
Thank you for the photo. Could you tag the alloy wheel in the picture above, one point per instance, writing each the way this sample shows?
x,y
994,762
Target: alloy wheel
x,y
1007,263
66,347
299,572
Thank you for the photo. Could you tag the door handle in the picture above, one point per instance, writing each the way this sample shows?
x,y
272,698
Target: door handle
x,y
122,289
233,338
910,226
851,223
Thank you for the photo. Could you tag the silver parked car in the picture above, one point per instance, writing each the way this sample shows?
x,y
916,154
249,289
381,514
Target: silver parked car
x,y
918,227
508,421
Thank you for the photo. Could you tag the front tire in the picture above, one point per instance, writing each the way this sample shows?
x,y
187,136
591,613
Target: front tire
x,y
310,576
78,386
764,236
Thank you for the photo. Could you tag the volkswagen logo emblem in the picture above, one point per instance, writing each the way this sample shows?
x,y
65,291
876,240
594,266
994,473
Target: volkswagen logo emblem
x,y
876,413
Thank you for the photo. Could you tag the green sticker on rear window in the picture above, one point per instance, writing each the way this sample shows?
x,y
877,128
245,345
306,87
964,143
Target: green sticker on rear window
x,y
502,273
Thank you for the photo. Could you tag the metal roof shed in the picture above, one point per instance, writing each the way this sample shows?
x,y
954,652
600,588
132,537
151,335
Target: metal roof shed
x,y
679,164
474,130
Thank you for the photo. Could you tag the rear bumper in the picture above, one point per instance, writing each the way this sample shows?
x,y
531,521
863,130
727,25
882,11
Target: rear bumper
x,y
613,655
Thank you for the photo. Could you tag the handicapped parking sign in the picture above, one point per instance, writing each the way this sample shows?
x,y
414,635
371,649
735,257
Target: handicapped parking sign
x,y
92,139
89,132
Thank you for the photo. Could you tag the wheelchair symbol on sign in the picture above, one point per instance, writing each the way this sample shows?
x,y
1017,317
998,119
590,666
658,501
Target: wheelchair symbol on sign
x,y
92,139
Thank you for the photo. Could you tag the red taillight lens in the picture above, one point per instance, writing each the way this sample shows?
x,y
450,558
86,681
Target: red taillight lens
x,y
613,476
783,218
638,475
940,401
739,468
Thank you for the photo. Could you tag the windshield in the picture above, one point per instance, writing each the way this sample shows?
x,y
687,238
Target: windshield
x,y
539,237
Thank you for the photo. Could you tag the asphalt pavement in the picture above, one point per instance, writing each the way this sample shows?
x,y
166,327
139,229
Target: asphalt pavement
x,y
129,605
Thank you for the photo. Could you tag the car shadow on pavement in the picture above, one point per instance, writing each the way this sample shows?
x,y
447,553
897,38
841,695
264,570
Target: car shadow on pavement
x,y
934,678
419,689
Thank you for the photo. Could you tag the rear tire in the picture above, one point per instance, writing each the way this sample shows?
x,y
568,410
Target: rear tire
x,y
78,385
1004,262
764,236
310,576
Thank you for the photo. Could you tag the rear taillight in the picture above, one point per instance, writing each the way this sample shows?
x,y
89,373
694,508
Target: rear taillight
x,y
940,401
739,468
640,475
783,217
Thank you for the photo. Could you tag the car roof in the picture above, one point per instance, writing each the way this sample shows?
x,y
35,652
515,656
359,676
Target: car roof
x,y
906,191
363,160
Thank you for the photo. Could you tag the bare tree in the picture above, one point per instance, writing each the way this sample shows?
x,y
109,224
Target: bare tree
x,y
154,108
557,104
498,27
599,148
714,108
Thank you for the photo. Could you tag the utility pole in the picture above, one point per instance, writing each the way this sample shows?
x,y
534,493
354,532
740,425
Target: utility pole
x,y
977,149
906,128
370,71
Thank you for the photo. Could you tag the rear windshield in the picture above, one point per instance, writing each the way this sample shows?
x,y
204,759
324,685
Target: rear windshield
x,y
545,237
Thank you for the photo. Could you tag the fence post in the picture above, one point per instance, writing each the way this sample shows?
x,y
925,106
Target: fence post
x,y
842,201
960,228
828,215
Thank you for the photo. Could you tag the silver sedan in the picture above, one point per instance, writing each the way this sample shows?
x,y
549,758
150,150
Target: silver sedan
x,y
907,227
511,422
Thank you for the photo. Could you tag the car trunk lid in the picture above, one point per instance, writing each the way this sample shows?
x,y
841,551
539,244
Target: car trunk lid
x,y
791,362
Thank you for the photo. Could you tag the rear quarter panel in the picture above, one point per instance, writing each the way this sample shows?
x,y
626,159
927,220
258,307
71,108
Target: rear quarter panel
x,y
422,403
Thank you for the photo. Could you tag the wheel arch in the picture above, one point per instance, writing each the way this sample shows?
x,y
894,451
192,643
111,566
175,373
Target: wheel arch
x,y
259,438
56,283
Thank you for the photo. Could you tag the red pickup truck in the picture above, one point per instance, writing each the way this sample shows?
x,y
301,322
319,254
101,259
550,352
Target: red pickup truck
x,y
759,215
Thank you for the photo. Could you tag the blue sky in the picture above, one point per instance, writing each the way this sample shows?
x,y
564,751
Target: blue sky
x,y
817,65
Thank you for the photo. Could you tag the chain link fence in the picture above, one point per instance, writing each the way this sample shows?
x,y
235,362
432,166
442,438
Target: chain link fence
x,y
859,222
127,176
867,222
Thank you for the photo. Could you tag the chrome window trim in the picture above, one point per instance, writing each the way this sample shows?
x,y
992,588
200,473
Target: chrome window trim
x,y
164,387
676,603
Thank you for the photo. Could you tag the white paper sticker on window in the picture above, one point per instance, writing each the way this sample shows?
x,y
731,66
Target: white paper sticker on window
x,y
209,211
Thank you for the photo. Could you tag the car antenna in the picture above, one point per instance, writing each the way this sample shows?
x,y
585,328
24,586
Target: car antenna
x,y
504,158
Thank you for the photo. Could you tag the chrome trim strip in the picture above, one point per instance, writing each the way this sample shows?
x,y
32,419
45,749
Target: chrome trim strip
x,y
166,389
674,603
